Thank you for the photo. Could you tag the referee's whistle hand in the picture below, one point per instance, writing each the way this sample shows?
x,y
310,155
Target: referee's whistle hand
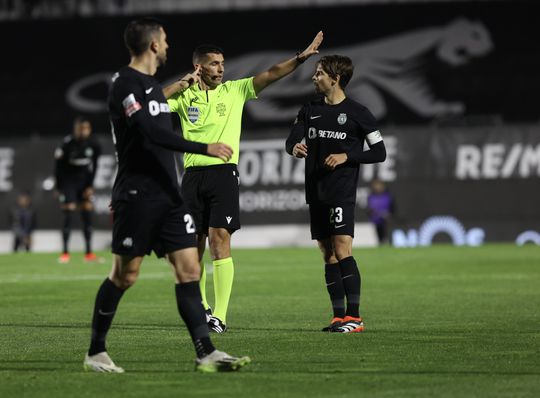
x,y
219,150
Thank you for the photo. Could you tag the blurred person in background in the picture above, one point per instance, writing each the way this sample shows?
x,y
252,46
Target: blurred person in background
x,y
334,128
210,109
380,207
23,222
75,168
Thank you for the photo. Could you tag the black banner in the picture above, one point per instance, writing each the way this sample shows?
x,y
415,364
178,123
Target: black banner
x,y
478,183
415,63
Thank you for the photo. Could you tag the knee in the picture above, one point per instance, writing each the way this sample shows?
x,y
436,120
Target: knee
x,y
219,246
343,252
125,281
327,254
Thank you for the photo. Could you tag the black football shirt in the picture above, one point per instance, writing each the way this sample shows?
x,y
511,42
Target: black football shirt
x,y
332,129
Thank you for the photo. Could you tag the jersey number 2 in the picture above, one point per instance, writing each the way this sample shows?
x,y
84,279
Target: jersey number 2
x,y
190,226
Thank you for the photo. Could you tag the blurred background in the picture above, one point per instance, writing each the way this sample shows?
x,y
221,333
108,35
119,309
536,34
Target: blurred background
x,y
454,85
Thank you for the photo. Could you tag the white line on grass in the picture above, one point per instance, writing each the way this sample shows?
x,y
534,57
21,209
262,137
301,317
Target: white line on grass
x,y
23,278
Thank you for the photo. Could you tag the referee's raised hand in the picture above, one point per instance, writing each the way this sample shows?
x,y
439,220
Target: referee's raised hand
x,y
219,150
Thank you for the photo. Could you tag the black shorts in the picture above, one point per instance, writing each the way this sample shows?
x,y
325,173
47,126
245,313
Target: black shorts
x,y
72,192
330,220
142,226
212,196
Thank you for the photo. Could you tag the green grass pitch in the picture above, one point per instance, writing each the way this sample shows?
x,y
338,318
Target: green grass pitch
x,y
441,322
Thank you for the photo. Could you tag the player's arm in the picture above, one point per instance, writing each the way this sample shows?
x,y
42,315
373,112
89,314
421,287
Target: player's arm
x,y
357,155
95,157
59,162
138,115
284,68
182,84
293,144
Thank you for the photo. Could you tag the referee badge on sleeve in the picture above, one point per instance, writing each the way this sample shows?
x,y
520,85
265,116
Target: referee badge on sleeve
x,y
193,113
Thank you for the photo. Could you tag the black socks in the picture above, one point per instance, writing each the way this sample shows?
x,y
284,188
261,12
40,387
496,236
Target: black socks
x,y
66,229
334,285
189,302
107,300
87,229
352,285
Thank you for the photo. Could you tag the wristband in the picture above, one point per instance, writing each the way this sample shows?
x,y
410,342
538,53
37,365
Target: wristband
x,y
298,59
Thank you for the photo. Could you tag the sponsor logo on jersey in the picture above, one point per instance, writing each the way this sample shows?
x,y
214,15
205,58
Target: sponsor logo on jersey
x,y
229,219
342,118
148,91
131,105
155,108
193,113
338,135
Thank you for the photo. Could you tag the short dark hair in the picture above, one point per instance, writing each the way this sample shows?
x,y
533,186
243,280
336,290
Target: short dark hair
x,y
139,33
204,49
336,65
81,119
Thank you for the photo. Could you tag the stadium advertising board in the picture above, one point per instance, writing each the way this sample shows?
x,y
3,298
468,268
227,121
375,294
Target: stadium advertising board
x,y
480,184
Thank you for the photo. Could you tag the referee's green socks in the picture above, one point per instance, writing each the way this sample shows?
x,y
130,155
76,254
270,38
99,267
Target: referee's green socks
x,y
223,280
202,285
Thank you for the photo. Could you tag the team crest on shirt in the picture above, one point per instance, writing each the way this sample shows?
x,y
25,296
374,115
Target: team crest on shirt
x,y
221,109
193,113
88,152
342,118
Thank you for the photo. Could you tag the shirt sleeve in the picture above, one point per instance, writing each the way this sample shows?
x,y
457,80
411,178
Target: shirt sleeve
x,y
245,88
59,165
371,134
174,104
136,111
297,131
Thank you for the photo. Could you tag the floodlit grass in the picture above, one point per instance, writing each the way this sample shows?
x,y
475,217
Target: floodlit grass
x,y
441,322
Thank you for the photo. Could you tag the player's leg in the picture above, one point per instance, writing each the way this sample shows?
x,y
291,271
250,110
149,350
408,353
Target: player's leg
x,y
68,209
334,283
319,215
201,246
222,185
220,250
195,203
124,273
351,283
182,250
87,208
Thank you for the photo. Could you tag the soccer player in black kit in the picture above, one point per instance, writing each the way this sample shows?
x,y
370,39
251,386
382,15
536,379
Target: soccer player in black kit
x,y
75,168
148,211
335,128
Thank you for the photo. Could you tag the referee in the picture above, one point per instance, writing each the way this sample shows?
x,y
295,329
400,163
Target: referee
x,y
149,213
335,129
210,110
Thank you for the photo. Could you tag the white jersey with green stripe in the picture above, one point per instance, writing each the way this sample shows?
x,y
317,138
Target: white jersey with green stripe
x,y
210,116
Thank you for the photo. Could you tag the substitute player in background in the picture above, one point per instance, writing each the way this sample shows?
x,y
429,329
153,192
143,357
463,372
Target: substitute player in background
x,y
335,128
75,168
148,210
210,109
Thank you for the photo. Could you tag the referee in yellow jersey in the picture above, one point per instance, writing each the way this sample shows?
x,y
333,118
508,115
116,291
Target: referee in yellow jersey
x,y
211,111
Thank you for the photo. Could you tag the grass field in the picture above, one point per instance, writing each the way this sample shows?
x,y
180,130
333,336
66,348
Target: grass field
x,y
441,322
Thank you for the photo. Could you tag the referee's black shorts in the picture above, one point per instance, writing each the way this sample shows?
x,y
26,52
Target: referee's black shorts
x,y
330,220
212,194
140,226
